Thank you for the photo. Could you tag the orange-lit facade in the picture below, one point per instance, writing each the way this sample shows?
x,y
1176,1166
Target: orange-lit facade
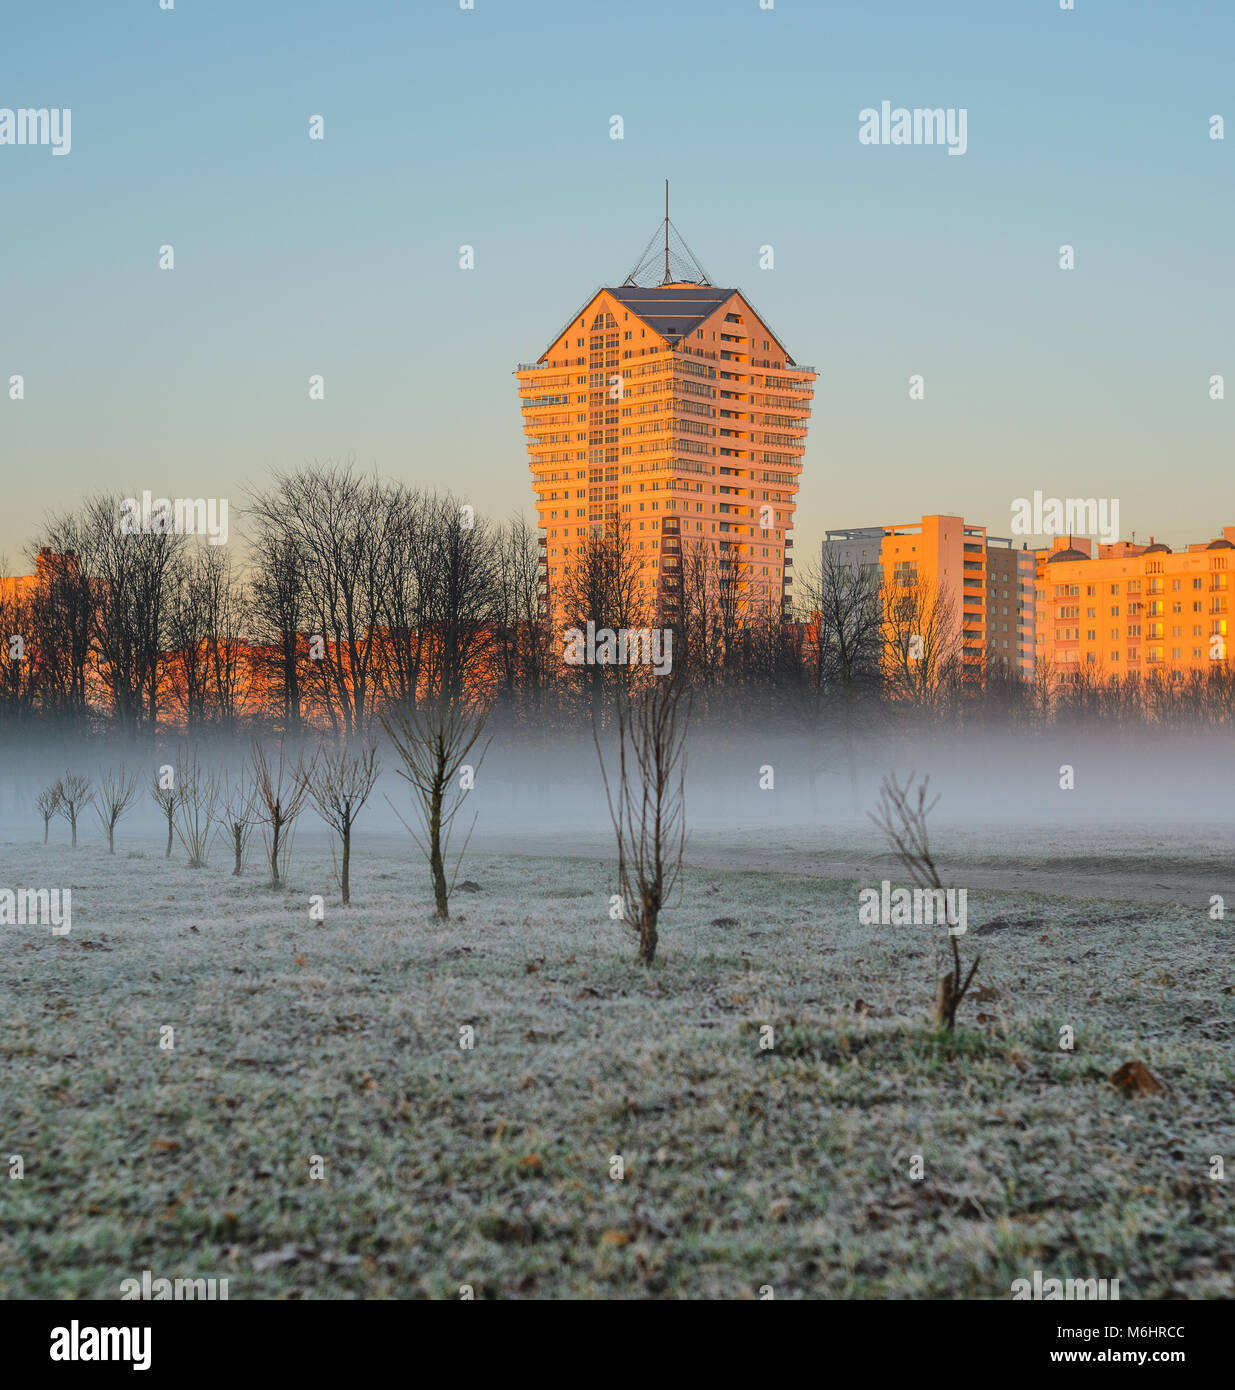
x,y
675,410
986,584
21,587
1134,610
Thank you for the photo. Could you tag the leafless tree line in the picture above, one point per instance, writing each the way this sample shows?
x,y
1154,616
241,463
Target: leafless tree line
x,y
358,596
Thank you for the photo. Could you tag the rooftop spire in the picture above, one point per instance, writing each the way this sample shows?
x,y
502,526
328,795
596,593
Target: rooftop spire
x,y
666,280
681,266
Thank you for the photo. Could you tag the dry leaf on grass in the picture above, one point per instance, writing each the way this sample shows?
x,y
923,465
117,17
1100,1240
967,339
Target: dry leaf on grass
x,y
1135,1078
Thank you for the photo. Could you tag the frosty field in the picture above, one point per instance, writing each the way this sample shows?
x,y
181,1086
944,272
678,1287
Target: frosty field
x,y
491,1166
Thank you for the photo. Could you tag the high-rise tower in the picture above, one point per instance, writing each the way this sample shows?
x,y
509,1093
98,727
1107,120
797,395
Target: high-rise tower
x,y
672,409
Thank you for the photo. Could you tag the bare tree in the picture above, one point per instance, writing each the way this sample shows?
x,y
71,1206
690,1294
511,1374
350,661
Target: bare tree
x,y
279,608
18,673
116,792
197,810
339,787
187,627
281,790
166,795
902,818
76,792
457,588
844,627
522,633
48,803
921,638
441,599
239,816
120,575
206,609
700,623
62,618
647,801
336,520
433,743
403,633
602,585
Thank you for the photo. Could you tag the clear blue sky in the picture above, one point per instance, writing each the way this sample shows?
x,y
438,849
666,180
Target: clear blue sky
x,y
491,127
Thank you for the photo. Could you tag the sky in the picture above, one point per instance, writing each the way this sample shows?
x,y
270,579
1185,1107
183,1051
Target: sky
x,y
490,127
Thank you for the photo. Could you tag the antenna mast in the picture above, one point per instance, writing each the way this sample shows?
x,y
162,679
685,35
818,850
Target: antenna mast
x,y
666,279
688,270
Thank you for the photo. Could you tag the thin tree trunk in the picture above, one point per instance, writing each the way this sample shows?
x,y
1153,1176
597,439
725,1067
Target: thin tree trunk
x,y
647,933
436,866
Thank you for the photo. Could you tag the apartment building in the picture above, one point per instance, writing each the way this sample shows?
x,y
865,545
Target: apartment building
x,y
1133,610
983,583
1011,606
673,409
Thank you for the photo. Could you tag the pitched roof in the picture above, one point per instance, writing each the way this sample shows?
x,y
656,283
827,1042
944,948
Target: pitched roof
x,y
672,310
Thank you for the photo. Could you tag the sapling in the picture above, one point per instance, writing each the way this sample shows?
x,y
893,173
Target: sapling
x,y
197,810
647,801
116,793
76,792
339,787
902,817
167,797
239,816
280,793
48,803
433,743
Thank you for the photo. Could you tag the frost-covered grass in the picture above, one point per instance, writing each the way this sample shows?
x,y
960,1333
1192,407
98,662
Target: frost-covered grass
x,y
491,1167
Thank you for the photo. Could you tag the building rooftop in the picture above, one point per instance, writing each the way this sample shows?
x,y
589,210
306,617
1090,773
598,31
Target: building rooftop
x,y
672,310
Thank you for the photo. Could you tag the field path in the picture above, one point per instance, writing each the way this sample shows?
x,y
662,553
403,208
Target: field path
x,y
1110,863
